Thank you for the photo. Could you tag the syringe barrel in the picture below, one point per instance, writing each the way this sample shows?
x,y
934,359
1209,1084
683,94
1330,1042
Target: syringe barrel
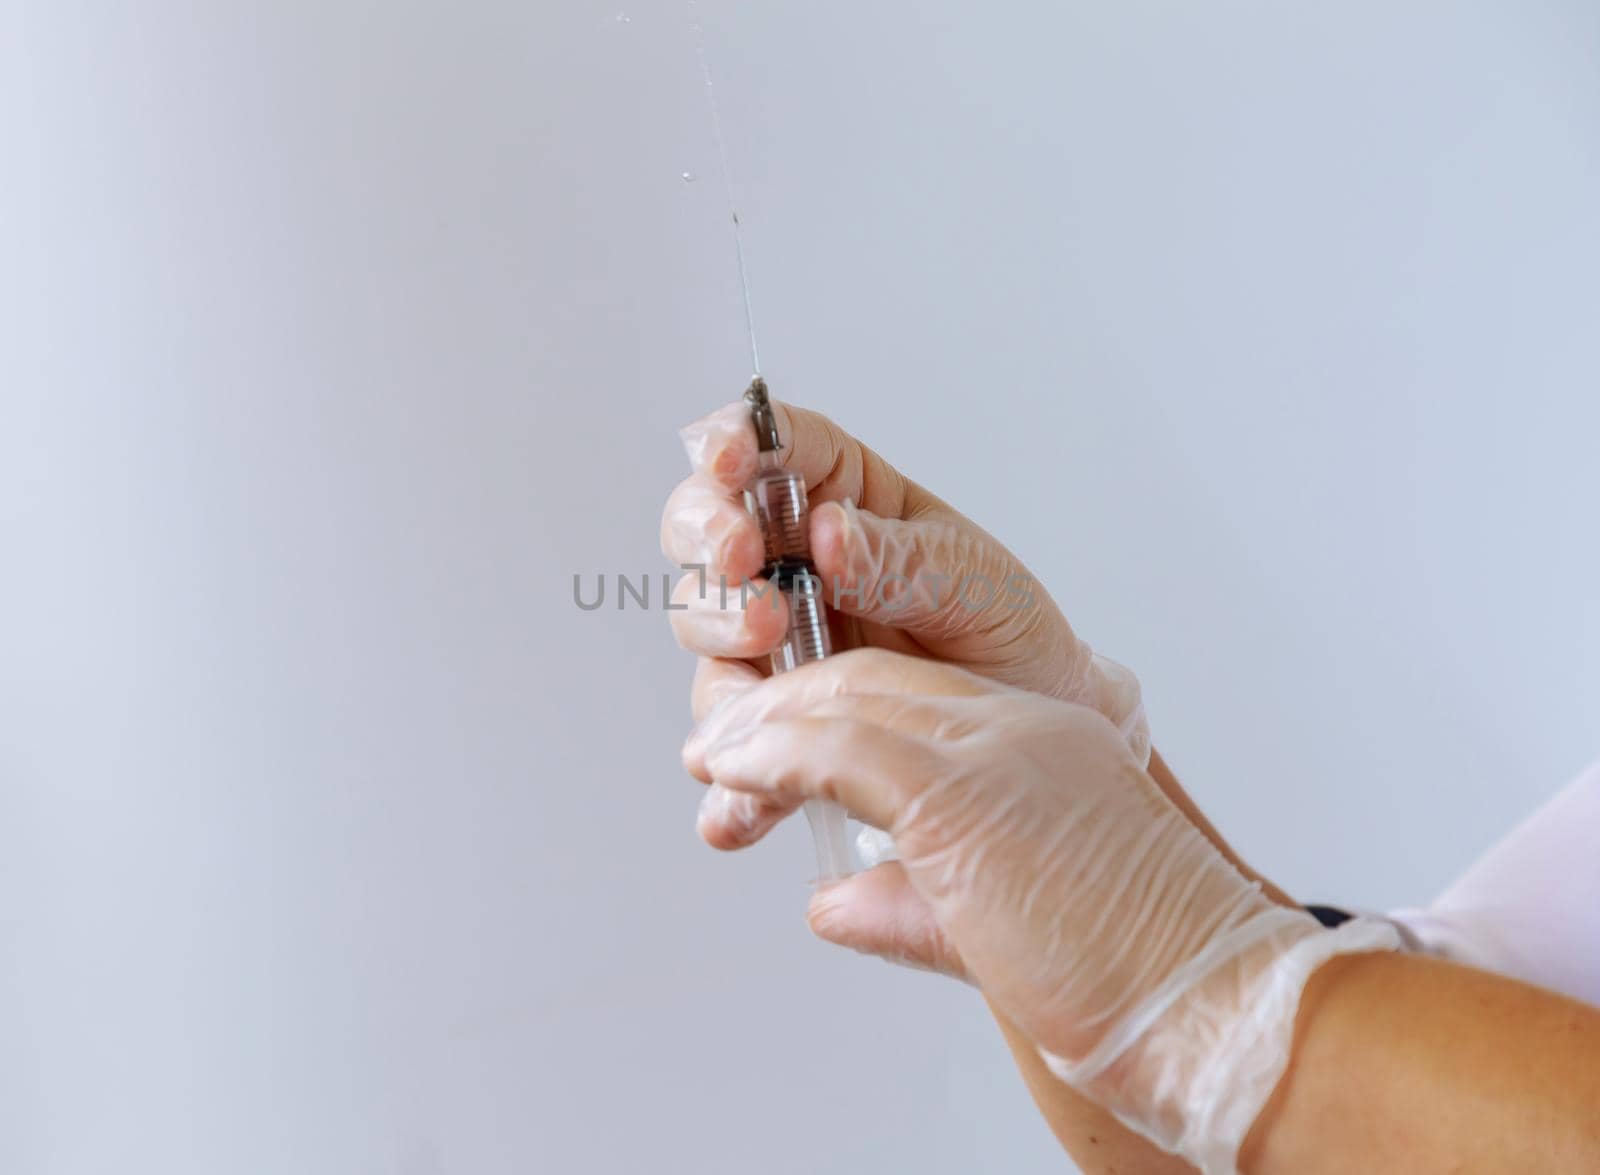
x,y
777,499
807,639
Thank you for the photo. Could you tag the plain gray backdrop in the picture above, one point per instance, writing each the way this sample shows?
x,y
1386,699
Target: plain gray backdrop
x,y
336,338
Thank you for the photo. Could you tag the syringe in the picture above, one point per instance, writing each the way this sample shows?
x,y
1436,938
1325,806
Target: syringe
x,y
777,498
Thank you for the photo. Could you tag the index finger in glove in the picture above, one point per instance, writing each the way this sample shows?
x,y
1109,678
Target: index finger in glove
x,y
729,819
716,620
834,464
875,772
718,680
704,526
856,673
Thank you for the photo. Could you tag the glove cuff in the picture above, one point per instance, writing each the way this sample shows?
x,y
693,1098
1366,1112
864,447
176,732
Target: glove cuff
x,y
1192,1068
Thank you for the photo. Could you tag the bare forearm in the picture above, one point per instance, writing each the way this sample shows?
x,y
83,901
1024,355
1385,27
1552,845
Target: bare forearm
x,y
1404,1063
1097,1142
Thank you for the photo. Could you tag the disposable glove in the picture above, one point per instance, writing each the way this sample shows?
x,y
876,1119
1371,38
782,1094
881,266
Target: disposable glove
x,y
920,578
1150,973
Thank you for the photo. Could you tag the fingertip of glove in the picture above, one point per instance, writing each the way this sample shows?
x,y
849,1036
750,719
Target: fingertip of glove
x,y
721,444
827,910
724,819
831,527
822,912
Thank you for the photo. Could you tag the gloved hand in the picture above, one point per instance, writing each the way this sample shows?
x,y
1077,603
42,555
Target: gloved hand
x,y
1150,973
920,578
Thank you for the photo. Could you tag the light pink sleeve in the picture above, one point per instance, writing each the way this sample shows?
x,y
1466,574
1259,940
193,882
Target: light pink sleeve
x,y
1530,908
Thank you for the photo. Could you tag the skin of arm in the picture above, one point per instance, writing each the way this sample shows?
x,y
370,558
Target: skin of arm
x,y
1406,1063
1097,1142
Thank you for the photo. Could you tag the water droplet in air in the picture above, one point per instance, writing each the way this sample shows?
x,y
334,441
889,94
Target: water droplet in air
x,y
688,177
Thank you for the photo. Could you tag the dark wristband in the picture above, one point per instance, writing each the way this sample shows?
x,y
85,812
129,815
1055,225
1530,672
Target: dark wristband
x,y
1329,916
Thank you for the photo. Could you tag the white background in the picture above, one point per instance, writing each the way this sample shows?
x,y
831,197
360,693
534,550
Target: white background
x,y
336,338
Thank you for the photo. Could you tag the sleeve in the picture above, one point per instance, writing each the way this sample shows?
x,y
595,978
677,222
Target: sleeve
x,y
1530,907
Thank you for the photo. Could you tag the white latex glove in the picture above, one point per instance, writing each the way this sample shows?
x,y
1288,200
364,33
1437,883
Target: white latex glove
x,y
1150,973
899,530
